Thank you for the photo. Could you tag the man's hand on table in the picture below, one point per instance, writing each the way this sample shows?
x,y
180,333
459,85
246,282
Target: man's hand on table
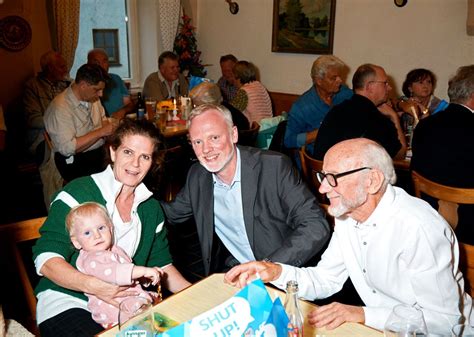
x,y
333,315
243,274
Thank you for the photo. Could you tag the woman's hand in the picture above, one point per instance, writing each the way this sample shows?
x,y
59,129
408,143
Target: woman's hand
x,y
107,292
63,274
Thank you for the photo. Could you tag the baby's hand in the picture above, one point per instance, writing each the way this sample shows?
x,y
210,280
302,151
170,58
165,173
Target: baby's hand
x,y
154,274
151,273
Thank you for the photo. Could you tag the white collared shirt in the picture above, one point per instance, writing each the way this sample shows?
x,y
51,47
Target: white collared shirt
x,y
229,216
405,252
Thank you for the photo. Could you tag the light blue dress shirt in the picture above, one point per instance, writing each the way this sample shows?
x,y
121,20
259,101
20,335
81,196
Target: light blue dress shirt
x,y
229,216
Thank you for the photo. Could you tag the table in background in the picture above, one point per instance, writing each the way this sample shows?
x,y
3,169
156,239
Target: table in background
x,y
212,291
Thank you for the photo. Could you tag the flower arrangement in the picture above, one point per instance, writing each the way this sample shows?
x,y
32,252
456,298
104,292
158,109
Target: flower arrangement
x,y
185,46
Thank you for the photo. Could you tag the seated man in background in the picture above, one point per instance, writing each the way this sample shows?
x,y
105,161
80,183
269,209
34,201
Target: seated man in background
x,y
366,114
76,123
167,82
247,203
443,145
252,97
394,247
227,81
38,94
308,112
209,93
116,98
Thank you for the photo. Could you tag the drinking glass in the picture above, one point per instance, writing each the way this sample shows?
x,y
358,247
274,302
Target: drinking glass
x,y
405,321
161,118
131,307
150,104
462,330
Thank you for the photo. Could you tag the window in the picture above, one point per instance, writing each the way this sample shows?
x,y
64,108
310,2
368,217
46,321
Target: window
x,y
105,24
107,39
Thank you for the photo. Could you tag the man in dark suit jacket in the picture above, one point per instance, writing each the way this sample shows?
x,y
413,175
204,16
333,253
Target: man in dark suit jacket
x,y
248,204
366,114
443,145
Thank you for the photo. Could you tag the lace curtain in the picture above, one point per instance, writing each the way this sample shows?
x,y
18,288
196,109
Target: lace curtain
x,y
65,28
169,11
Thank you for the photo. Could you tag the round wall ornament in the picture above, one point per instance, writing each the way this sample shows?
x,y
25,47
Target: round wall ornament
x,y
15,33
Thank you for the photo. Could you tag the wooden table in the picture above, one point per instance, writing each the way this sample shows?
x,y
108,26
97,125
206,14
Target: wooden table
x,y
174,130
211,291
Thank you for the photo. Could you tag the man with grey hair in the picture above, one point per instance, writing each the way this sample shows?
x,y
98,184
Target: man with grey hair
x,y
309,110
443,145
210,93
366,114
395,248
167,82
247,203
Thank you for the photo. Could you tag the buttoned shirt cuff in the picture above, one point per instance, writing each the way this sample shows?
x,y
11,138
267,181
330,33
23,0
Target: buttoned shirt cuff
x,y
301,139
376,317
287,273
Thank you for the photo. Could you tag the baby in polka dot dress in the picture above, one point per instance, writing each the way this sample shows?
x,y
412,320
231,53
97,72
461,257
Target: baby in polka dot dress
x,y
90,229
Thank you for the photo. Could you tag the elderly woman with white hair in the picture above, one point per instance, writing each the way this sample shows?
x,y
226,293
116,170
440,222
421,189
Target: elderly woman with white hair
x,y
308,112
209,93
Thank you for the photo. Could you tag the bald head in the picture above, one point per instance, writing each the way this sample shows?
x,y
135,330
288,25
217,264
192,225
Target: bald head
x,y
361,152
53,66
98,56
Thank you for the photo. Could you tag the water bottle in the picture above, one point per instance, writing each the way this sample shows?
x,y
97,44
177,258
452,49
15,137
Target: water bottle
x,y
140,106
292,308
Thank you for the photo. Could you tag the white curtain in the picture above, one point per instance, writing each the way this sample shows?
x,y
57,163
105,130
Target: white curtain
x,y
66,28
169,11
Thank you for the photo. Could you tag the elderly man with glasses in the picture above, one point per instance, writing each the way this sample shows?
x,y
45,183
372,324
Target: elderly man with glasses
x,y
395,248
366,115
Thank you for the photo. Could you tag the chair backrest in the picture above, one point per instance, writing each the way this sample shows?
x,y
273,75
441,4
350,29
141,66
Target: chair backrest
x,y
309,167
466,265
14,234
449,197
249,137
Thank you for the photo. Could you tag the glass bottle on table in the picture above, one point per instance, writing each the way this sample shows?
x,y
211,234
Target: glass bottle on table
x,y
140,106
292,308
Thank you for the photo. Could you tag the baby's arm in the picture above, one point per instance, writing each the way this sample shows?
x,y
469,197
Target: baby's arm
x,y
152,273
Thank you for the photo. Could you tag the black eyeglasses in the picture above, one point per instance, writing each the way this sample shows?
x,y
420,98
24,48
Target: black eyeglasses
x,y
332,178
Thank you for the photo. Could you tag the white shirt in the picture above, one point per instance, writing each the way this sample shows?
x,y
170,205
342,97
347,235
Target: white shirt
x,y
405,252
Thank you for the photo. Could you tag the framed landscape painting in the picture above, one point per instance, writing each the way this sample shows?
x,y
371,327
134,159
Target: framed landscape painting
x,y
303,26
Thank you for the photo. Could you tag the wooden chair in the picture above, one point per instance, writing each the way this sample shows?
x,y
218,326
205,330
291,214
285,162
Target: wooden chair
x,y
449,197
249,137
309,167
466,265
14,234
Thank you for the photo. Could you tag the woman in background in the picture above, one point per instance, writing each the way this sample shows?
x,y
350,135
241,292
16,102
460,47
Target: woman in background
x,y
252,97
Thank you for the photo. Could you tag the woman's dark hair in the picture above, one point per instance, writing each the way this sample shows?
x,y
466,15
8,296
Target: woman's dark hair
x,y
128,127
416,75
245,71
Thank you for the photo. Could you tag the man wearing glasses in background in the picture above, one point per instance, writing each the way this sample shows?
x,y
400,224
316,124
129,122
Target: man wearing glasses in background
x,y
366,115
395,248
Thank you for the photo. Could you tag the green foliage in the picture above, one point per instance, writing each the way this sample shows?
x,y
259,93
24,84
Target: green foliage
x,y
185,46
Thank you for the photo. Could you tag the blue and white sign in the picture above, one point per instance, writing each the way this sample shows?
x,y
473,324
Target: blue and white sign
x,y
250,312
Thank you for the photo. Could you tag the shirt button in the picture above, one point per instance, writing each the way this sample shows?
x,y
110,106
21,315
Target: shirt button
x,y
365,243
375,225
364,270
374,291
